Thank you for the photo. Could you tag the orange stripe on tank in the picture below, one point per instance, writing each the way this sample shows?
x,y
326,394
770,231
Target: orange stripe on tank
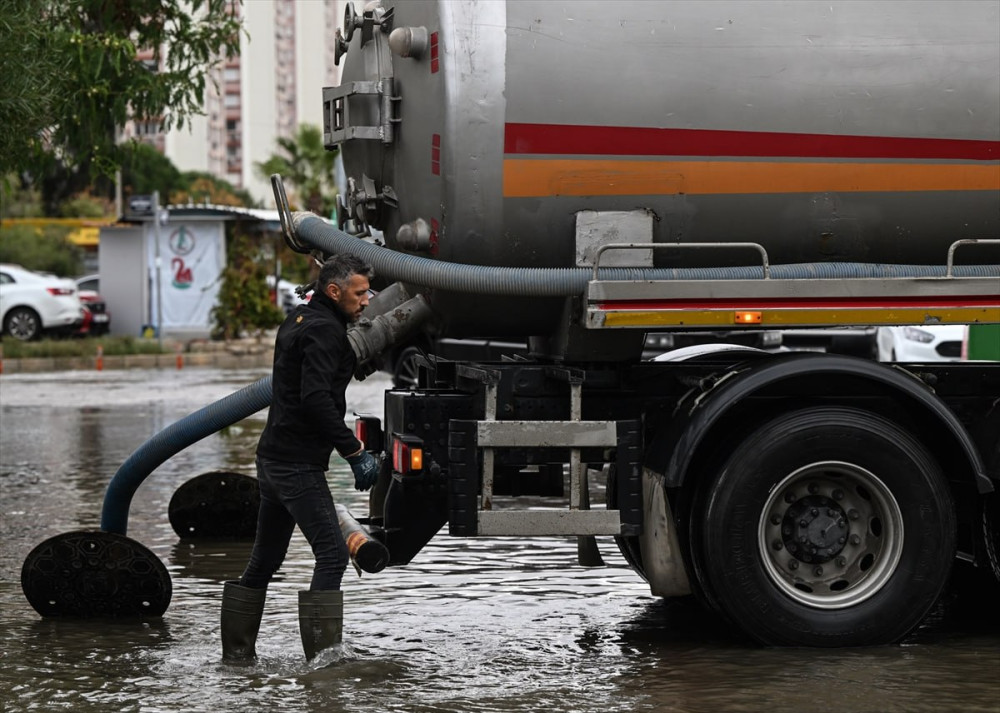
x,y
530,178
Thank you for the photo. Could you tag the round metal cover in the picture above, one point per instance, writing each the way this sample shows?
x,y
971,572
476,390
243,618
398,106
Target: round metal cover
x,y
216,505
95,574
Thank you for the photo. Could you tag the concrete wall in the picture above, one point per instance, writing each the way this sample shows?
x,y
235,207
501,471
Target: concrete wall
x,y
124,278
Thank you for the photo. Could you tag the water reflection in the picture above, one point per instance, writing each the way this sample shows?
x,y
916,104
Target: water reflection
x,y
471,625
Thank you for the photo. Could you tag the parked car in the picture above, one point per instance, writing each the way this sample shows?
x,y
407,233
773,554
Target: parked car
x,y
935,342
98,319
33,303
287,299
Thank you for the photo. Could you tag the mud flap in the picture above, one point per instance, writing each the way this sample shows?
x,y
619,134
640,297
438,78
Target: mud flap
x,y
659,545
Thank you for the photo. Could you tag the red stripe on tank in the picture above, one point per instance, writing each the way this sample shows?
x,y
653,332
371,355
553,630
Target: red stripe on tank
x,y
566,139
800,303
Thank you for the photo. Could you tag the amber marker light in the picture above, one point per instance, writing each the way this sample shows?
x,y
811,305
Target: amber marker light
x,y
743,317
407,457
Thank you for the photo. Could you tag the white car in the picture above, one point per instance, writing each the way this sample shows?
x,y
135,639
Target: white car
x,y
32,303
932,342
287,298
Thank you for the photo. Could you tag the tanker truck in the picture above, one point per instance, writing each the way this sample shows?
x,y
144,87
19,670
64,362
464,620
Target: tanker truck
x,y
579,174
571,176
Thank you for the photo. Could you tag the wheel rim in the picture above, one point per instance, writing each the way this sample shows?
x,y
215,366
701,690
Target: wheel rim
x,y
407,372
22,325
830,535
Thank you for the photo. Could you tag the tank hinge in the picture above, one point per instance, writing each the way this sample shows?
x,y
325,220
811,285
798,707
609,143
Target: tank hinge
x,y
337,127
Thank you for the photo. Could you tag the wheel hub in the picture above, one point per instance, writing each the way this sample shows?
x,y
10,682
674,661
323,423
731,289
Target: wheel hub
x,y
830,534
815,529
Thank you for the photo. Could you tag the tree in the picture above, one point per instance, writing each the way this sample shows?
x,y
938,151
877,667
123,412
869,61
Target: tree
x,y
72,78
41,249
200,187
244,300
305,164
144,170
29,67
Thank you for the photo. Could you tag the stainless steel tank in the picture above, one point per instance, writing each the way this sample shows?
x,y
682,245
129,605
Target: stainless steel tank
x,y
826,131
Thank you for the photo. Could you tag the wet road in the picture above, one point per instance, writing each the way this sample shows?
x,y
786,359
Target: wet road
x,y
470,625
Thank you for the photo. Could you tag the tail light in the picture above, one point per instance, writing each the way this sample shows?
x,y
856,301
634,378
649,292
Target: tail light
x,y
368,430
407,454
60,291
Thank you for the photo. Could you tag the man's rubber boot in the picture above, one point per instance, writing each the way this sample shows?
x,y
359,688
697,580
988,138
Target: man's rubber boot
x,y
242,608
321,619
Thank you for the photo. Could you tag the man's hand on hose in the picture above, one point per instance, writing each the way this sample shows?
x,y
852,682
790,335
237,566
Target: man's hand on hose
x,y
365,467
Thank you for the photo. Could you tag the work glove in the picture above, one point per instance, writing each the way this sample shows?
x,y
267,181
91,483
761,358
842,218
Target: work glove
x,y
366,468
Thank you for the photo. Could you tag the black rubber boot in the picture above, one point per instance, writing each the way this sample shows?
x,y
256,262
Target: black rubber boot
x,y
242,608
321,619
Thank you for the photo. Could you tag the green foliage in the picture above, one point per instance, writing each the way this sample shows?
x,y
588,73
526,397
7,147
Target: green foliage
x,y
19,201
72,77
144,170
201,187
83,206
296,267
244,304
41,249
30,67
308,167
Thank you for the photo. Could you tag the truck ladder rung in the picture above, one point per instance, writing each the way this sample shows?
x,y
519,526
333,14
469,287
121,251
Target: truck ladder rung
x,y
575,434
511,523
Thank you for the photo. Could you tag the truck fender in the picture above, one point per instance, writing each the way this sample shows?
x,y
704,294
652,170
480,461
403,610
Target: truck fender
x,y
678,442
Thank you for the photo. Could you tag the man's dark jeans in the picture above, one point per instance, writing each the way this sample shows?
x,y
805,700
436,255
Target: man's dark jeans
x,y
295,494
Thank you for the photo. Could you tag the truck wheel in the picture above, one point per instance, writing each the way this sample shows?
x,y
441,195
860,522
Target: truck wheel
x,y
406,372
23,323
991,535
827,526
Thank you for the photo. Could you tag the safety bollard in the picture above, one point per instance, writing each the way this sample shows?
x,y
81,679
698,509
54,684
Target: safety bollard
x,y
180,356
100,358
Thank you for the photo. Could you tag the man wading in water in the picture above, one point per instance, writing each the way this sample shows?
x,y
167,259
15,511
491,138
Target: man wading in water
x,y
313,364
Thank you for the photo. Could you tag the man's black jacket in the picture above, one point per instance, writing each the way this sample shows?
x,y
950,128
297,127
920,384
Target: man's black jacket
x,y
313,364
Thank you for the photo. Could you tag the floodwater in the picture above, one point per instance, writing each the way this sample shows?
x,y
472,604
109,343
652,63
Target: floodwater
x,y
470,625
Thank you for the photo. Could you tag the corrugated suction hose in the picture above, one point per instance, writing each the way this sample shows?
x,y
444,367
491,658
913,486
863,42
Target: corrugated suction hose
x,y
393,317
172,440
571,281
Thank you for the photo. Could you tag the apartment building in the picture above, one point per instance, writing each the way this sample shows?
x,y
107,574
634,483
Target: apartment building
x,y
286,58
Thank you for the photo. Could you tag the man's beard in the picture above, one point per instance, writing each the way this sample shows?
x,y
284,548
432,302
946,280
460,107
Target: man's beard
x,y
348,316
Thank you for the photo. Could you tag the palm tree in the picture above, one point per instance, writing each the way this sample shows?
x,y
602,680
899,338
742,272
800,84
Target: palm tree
x,y
305,164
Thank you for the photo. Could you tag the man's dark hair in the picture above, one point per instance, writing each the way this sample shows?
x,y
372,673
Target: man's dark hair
x,y
339,269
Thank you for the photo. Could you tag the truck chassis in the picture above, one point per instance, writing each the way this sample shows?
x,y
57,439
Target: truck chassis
x,y
812,499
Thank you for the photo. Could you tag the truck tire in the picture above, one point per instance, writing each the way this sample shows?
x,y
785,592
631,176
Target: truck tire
x,y
827,526
406,370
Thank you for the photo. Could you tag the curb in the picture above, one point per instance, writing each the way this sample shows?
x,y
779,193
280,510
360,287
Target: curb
x,y
218,359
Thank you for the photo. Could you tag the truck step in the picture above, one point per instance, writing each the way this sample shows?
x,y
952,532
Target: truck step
x,y
472,447
538,523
